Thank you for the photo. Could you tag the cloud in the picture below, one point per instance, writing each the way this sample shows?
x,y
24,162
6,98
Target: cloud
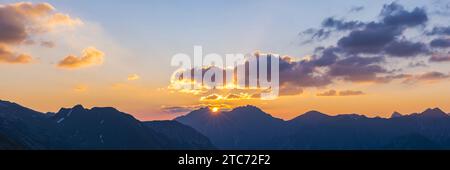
x,y
341,93
404,48
8,56
21,22
132,77
440,57
440,31
417,64
48,44
211,97
384,36
428,77
328,93
189,108
440,43
361,55
433,76
89,57
178,109
372,39
358,69
367,51
328,57
395,15
350,93
356,9
341,25
227,97
63,19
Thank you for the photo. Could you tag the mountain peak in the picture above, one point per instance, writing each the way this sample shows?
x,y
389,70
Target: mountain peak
x,y
435,113
311,115
4,103
247,108
314,113
78,106
396,114
106,109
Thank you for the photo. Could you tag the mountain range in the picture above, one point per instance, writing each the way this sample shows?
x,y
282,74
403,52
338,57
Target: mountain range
x,y
246,127
250,128
96,128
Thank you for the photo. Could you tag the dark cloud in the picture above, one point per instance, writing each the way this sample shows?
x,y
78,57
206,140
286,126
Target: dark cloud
x,y
395,15
327,57
341,24
378,36
440,43
358,69
404,48
316,34
13,27
440,31
372,39
302,73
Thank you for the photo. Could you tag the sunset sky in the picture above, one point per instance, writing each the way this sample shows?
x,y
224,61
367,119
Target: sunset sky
x,y
367,57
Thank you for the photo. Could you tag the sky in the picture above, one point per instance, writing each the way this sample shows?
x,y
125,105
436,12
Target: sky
x,y
366,57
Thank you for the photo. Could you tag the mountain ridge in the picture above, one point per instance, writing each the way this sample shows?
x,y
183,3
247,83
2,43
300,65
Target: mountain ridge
x,y
244,127
82,128
316,130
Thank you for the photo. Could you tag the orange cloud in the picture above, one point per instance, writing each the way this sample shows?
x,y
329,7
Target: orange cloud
x,y
21,22
341,93
132,77
7,56
89,57
63,19
328,93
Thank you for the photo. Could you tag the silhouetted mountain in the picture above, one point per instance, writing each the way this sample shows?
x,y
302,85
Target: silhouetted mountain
x,y
183,137
28,128
6,143
413,141
106,128
396,114
315,130
96,128
433,113
243,127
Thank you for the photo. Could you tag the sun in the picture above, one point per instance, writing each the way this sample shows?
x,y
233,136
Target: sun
x,y
215,109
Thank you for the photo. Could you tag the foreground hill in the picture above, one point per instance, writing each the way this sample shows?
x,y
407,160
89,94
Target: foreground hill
x,y
81,128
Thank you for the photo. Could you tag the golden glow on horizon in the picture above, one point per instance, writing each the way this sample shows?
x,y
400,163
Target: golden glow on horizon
x,y
215,109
